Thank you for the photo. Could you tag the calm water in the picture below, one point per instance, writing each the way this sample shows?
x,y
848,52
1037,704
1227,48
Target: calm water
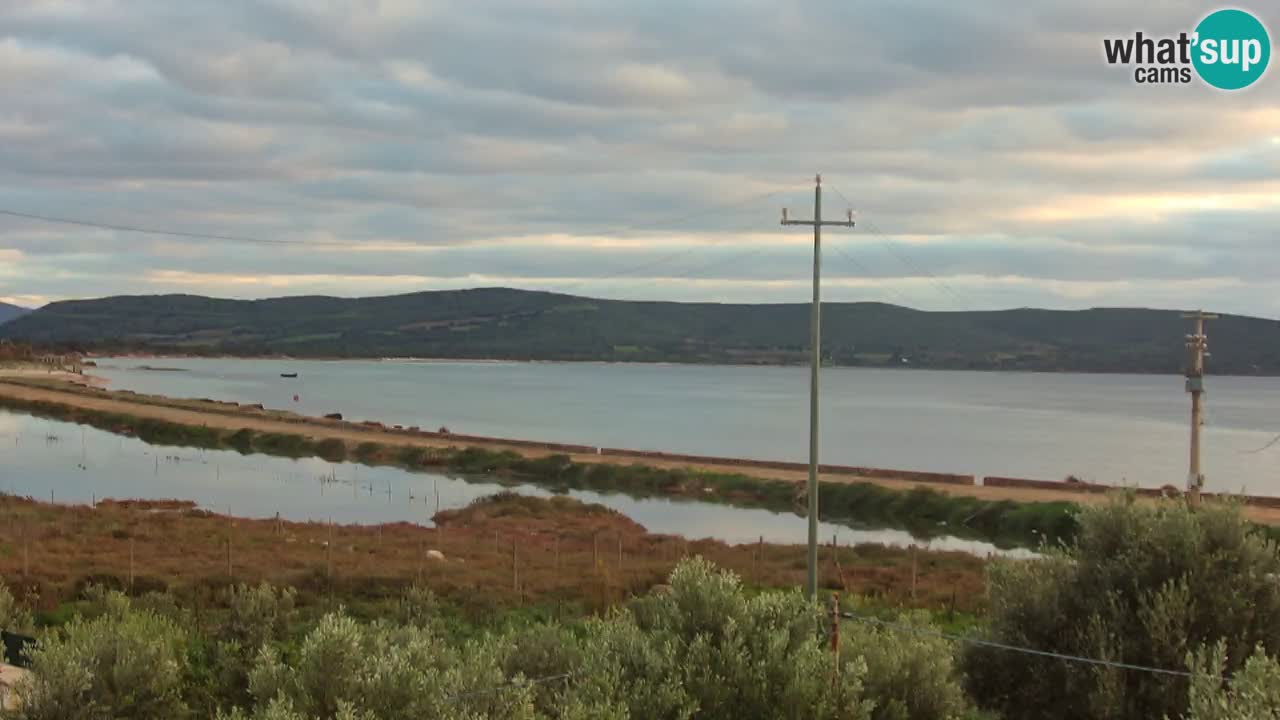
x,y
1115,429
74,463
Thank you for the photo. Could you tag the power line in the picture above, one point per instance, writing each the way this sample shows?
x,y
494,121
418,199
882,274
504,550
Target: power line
x,y
902,256
906,260
1024,650
155,231
1264,448
142,230
902,299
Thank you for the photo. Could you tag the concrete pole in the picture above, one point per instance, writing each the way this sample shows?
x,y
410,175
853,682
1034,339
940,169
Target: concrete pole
x,y
815,363
1197,343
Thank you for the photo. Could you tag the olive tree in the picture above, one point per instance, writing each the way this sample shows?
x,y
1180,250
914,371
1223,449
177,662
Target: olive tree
x,y
1141,584
1253,693
124,663
347,669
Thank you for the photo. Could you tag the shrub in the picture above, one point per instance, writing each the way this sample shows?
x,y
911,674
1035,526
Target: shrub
x,y
1141,584
13,617
910,677
125,663
1253,693
345,669
750,658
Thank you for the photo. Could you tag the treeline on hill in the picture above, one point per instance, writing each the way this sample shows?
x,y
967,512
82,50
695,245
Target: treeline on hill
x,y
523,325
1153,612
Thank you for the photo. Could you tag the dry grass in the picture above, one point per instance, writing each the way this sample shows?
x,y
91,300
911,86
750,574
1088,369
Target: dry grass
x,y
503,552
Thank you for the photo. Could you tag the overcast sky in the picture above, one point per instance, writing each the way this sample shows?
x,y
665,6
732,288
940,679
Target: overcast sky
x,y
631,149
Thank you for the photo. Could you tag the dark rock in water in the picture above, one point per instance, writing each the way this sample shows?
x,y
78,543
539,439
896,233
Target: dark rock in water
x,y
333,416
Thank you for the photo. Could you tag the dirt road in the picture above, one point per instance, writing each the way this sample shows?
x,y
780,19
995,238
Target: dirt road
x,y
233,417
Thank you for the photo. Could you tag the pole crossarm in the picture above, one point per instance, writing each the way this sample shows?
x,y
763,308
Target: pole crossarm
x,y
824,223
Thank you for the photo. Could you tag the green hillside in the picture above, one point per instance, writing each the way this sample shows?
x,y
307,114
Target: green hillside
x,y
517,324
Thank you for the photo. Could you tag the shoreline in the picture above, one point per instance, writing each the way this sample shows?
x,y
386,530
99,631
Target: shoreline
x,y
1008,505
658,363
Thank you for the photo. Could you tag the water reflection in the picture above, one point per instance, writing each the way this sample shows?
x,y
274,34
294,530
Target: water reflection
x,y
74,463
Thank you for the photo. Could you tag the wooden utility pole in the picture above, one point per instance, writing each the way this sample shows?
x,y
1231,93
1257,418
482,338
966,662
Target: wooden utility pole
x,y
815,361
1197,343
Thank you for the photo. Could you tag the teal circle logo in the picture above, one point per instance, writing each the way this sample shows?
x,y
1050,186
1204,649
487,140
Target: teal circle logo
x,y
1232,49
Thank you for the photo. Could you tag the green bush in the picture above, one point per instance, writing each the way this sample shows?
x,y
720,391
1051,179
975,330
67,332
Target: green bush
x,y
1142,584
125,663
13,617
910,677
347,669
1253,692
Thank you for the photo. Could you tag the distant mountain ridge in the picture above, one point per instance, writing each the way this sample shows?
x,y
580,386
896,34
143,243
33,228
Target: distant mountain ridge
x,y
9,312
511,324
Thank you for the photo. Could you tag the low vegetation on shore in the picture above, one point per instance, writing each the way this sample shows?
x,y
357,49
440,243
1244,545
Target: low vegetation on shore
x,y
924,511
1153,611
546,555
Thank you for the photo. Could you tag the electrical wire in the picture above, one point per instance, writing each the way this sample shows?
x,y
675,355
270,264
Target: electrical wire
x,y
158,231
902,299
1024,650
1264,448
899,254
141,230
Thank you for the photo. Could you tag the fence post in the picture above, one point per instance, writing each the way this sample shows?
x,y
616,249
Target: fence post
x,y
619,552
835,630
515,569
556,544
913,573
595,551
329,555
131,564
229,575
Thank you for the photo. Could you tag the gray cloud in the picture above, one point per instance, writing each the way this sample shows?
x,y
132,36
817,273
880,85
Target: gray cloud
x,y
523,143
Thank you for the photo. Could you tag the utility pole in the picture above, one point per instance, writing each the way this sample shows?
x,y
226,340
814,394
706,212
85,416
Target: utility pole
x,y
815,362
1197,343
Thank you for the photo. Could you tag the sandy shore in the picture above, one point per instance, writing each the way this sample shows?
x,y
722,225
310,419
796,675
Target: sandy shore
x,y
86,392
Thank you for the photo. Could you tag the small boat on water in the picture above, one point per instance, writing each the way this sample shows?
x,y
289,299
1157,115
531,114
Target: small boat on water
x,y
288,375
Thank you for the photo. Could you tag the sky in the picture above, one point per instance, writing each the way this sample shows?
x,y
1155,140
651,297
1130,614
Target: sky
x,y
636,150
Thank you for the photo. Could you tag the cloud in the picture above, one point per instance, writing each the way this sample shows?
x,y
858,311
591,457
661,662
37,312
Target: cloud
x,y
558,144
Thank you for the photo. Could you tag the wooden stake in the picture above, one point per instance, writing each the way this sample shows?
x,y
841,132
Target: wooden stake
x,y
595,551
619,551
913,573
130,564
835,635
515,568
329,555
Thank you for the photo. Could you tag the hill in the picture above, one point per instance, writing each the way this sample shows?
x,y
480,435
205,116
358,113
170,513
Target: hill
x,y
9,312
525,325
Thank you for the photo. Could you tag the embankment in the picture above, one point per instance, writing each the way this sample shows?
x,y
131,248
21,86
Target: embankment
x,y
927,503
